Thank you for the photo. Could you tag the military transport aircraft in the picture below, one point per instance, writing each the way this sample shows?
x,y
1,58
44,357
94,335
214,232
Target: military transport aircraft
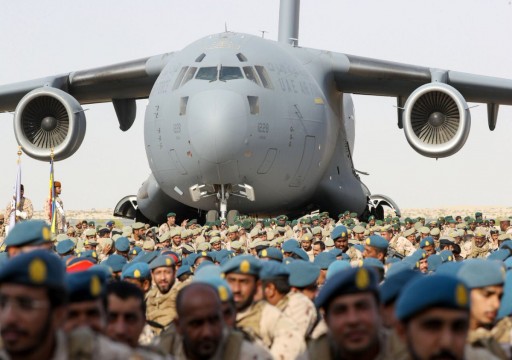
x,y
239,123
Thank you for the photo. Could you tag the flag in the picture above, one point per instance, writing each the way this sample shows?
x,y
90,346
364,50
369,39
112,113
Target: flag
x,y
16,196
51,201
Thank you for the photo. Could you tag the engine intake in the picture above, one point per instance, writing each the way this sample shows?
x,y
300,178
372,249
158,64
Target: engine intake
x,y
49,118
436,120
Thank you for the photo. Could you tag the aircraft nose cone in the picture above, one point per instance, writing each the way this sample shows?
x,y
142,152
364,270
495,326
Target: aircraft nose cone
x,y
217,124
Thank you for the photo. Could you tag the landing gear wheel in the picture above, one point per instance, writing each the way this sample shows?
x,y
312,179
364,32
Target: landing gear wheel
x,y
212,216
232,215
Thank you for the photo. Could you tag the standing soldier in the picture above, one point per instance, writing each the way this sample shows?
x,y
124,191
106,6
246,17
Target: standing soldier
x,y
167,226
60,217
340,237
24,209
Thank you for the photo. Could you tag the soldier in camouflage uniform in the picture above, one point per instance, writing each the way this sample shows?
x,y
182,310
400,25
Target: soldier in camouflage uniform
x,y
24,209
480,246
340,237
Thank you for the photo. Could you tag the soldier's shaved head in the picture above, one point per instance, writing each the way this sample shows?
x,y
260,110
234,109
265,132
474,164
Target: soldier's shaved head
x,y
199,321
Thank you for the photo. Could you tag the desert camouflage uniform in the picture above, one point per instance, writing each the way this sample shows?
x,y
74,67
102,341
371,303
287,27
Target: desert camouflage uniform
x,y
160,308
354,254
60,216
25,205
483,339
478,252
402,245
301,310
270,328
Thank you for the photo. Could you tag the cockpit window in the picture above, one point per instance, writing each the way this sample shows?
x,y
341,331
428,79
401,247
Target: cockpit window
x,y
230,73
250,74
180,77
189,76
265,78
207,73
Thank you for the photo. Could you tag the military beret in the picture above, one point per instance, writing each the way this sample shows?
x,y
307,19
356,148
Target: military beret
x,y
115,262
434,261
409,232
34,268
377,241
162,261
306,237
74,264
427,241
220,285
478,273
289,245
122,244
424,230
372,262
446,255
450,268
337,266
206,263
61,237
187,249
329,242
359,247
349,281
137,225
233,229
392,286
506,301
183,270
138,270
339,231
302,273
447,242
204,246
435,232
185,233
102,231
86,285
273,269
236,245
324,259
90,232
358,229
303,255
31,232
480,232
243,264
91,223
65,246
431,291
271,253
90,254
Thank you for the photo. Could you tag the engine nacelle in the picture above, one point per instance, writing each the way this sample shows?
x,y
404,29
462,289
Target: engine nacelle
x,y
436,120
49,118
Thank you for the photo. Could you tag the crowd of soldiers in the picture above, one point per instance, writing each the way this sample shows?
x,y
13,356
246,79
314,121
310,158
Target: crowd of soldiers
x,y
313,288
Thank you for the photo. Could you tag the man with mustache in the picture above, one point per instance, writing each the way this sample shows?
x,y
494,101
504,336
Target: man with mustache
x,y
433,315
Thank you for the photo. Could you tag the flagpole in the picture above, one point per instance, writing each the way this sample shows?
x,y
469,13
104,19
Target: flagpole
x,y
16,195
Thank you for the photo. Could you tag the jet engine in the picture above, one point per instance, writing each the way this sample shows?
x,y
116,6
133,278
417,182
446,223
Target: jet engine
x,y
436,120
48,119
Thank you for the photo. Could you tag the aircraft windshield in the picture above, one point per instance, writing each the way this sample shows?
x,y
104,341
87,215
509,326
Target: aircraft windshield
x,y
230,73
207,73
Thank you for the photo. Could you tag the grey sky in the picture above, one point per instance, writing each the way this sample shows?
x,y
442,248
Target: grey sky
x,y
41,38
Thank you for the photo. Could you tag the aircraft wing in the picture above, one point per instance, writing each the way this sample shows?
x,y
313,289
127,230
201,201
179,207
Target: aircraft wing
x,y
361,75
128,80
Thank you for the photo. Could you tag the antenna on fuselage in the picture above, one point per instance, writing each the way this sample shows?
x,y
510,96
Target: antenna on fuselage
x,y
263,33
289,22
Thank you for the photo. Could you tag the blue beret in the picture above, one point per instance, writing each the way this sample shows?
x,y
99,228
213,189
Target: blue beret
x,y
506,301
122,244
506,244
446,255
273,269
205,263
373,262
271,253
339,232
508,263
391,287
400,266
431,291
138,270
433,262
162,261
427,241
349,281
86,285
65,246
115,262
324,259
221,285
418,255
377,241
450,268
288,260
289,245
337,266
392,260
31,232
146,257
110,223
90,255
207,271
244,264
191,259
105,270
303,255
183,270
359,247
34,268
135,251
477,273
302,273
501,254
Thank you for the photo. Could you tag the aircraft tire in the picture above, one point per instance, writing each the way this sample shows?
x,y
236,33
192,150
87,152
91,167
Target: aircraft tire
x,y
232,215
212,215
